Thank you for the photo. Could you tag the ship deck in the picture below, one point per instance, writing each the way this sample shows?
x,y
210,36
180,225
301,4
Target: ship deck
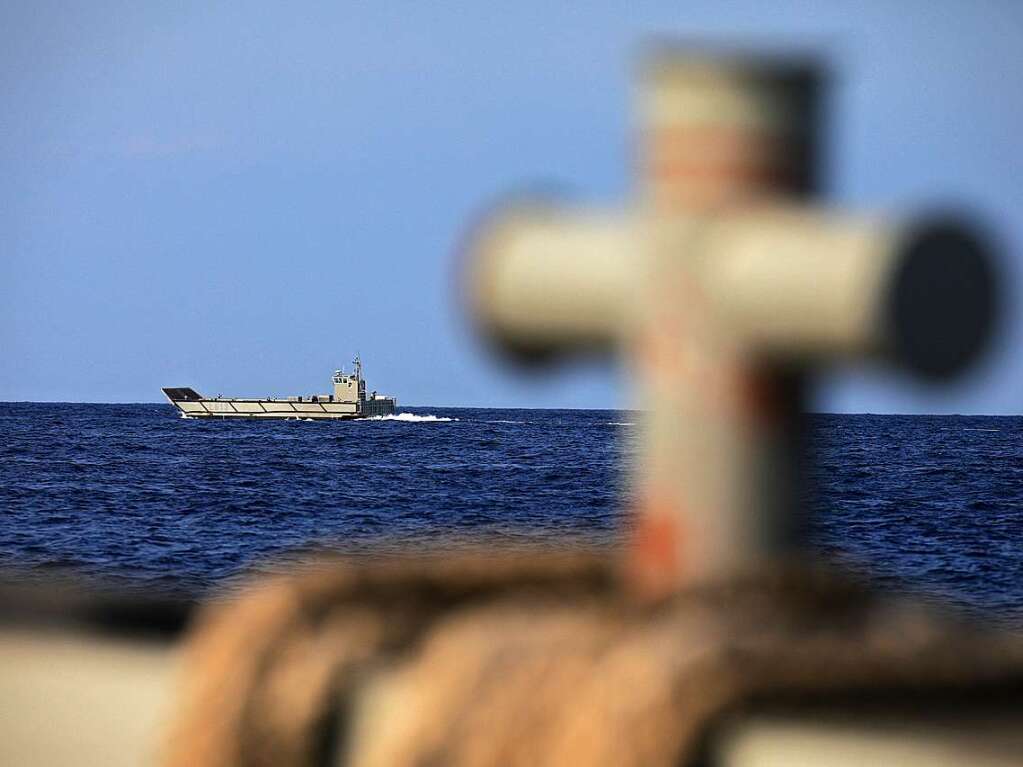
x,y
193,405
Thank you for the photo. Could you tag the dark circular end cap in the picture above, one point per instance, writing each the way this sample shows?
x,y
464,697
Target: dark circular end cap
x,y
943,303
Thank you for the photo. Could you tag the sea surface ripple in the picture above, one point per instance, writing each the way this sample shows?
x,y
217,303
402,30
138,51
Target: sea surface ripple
x,y
136,496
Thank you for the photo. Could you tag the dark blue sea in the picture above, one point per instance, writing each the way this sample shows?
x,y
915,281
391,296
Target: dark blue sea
x,y
135,496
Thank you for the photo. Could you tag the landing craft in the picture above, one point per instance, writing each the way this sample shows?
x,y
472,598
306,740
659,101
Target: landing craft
x,y
349,401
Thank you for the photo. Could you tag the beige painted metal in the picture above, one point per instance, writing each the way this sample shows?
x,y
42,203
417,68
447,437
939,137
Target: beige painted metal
x,y
267,408
71,699
907,738
544,279
557,282
346,388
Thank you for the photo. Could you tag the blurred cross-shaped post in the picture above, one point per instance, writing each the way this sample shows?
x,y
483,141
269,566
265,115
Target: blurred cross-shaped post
x,y
722,288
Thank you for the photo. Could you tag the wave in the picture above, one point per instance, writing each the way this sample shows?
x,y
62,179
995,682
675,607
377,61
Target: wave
x,y
410,418
620,423
518,422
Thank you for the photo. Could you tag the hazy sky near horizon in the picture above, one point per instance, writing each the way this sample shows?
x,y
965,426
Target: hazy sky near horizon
x,y
238,197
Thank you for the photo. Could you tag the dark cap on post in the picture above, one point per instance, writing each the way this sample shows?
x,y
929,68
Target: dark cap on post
x,y
943,302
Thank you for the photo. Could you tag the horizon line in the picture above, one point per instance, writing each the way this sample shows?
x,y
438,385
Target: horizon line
x,y
497,407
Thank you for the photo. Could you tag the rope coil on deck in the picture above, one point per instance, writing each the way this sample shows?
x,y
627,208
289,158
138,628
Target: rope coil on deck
x,y
502,660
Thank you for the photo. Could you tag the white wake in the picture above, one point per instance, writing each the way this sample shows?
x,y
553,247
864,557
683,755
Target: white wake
x,y
410,418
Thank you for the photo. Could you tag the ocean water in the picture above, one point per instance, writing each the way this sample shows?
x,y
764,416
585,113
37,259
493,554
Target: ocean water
x,y
136,496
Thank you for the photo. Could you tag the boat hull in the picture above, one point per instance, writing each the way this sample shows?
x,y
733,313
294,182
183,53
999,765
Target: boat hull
x,y
193,405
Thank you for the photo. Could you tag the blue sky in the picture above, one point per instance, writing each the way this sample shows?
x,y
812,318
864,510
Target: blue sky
x,y
238,197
